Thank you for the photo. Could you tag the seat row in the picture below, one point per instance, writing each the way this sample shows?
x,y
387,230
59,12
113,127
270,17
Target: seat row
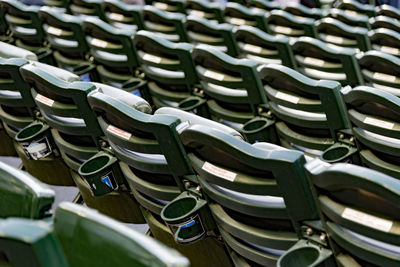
x,y
197,182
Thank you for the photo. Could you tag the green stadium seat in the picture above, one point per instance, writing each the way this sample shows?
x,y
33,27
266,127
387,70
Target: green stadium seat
x,y
257,213
385,22
334,31
218,36
385,40
5,32
380,70
170,5
167,25
204,9
232,86
168,67
61,5
319,60
87,8
22,195
264,5
26,27
67,39
373,115
121,15
303,11
388,11
284,23
355,8
239,15
264,48
114,54
349,19
310,113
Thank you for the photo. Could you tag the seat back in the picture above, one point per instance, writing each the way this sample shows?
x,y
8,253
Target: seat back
x,y
204,9
170,5
303,11
349,19
167,25
238,15
350,199
121,15
388,11
284,23
374,117
336,32
22,195
84,232
232,84
26,242
380,70
355,8
264,5
87,8
385,40
318,60
219,36
385,22
264,48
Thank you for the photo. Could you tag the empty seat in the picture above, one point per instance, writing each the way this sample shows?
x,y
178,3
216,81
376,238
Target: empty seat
x,y
374,118
5,33
319,60
264,5
303,11
170,5
385,40
264,48
349,19
238,15
87,8
355,8
385,22
122,15
388,11
204,9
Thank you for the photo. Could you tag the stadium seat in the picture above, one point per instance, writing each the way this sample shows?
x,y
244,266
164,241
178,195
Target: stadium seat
x,y
385,40
204,9
5,32
264,5
333,31
255,210
357,21
169,69
385,22
319,60
87,8
239,15
61,5
264,48
355,8
122,15
303,11
218,36
373,115
380,70
388,11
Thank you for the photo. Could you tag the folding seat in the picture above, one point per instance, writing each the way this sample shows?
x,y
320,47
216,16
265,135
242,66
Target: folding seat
x,y
373,114
284,23
251,193
360,212
26,28
264,5
23,195
61,5
311,116
238,15
232,86
123,16
355,8
334,31
264,48
319,60
75,132
152,161
388,11
87,8
304,12
167,25
385,40
5,32
67,40
170,5
204,9
349,19
114,54
381,71
218,36
169,69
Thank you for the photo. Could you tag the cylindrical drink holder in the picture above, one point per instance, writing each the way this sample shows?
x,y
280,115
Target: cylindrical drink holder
x,y
195,105
102,173
188,218
134,86
259,130
35,140
87,72
340,152
304,253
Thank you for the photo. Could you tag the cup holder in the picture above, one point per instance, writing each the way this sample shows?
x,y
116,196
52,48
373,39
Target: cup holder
x,y
258,130
194,105
134,86
338,153
305,256
86,71
35,140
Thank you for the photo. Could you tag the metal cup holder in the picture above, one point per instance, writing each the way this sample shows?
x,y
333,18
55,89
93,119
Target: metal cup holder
x,y
339,153
195,105
259,130
134,86
87,72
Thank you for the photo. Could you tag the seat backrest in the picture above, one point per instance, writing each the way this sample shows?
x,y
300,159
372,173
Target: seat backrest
x,y
11,51
388,11
167,25
26,242
355,8
170,5
385,40
381,70
205,9
351,199
385,22
303,11
219,36
87,8
264,48
122,15
284,23
264,5
333,31
22,195
358,21
304,102
83,233
319,60
238,15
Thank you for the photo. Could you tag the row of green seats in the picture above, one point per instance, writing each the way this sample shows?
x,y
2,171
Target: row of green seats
x,y
74,236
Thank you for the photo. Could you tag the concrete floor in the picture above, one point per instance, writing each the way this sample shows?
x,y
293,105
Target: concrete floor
x,y
66,193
